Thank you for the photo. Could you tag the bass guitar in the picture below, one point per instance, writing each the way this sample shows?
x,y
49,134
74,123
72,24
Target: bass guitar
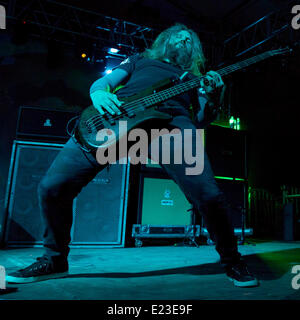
x,y
141,107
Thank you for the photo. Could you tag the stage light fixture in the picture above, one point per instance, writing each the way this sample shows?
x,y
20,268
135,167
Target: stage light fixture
x,y
113,50
108,71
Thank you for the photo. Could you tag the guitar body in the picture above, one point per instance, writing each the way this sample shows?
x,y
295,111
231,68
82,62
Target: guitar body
x,y
94,129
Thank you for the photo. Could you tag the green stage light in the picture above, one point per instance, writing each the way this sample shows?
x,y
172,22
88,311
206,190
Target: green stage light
x,y
229,178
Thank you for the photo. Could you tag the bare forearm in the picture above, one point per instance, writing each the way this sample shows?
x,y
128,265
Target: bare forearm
x,y
110,81
100,92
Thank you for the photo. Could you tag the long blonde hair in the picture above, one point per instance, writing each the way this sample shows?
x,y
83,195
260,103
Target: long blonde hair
x,y
158,48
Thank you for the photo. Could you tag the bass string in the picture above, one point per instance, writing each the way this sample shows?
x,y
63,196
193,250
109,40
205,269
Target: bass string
x,y
184,86
191,83
245,63
97,120
151,99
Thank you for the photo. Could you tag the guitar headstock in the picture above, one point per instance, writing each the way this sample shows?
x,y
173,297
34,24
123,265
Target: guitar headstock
x,y
281,51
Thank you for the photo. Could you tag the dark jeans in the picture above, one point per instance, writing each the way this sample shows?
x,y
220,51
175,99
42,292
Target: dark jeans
x,y
73,169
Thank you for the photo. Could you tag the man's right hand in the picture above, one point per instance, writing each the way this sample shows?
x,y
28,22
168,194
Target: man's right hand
x,y
105,101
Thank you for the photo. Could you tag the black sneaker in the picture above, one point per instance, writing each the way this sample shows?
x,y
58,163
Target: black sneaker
x,y
240,275
43,269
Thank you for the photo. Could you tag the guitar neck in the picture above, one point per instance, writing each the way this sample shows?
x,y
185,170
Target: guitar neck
x,y
243,64
181,88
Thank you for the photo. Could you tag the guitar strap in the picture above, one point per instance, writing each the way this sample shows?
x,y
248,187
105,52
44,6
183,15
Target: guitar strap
x,y
183,76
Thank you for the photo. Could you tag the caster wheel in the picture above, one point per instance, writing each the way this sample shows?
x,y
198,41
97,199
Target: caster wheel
x,y
138,243
210,242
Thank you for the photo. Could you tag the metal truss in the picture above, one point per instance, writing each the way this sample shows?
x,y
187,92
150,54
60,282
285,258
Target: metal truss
x,y
62,22
50,19
274,28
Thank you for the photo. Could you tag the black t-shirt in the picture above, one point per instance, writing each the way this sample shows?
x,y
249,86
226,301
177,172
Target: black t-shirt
x,y
144,73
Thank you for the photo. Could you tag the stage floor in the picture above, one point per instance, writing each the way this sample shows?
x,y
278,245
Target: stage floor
x,y
159,272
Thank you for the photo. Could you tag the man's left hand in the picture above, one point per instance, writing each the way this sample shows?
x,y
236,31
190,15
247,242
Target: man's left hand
x,y
214,87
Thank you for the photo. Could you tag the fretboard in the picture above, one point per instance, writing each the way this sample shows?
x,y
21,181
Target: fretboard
x,y
183,87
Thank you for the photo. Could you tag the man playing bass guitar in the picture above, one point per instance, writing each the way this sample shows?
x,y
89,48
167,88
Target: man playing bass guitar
x,y
176,52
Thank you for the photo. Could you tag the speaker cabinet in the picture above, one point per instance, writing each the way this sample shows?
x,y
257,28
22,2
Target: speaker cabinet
x,y
155,184
226,150
161,202
41,124
99,211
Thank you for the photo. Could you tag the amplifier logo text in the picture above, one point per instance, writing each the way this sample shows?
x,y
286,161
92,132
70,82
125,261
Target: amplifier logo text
x,y
2,17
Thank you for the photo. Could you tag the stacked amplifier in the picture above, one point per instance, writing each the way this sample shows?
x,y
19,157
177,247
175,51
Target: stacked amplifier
x,y
99,211
164,211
